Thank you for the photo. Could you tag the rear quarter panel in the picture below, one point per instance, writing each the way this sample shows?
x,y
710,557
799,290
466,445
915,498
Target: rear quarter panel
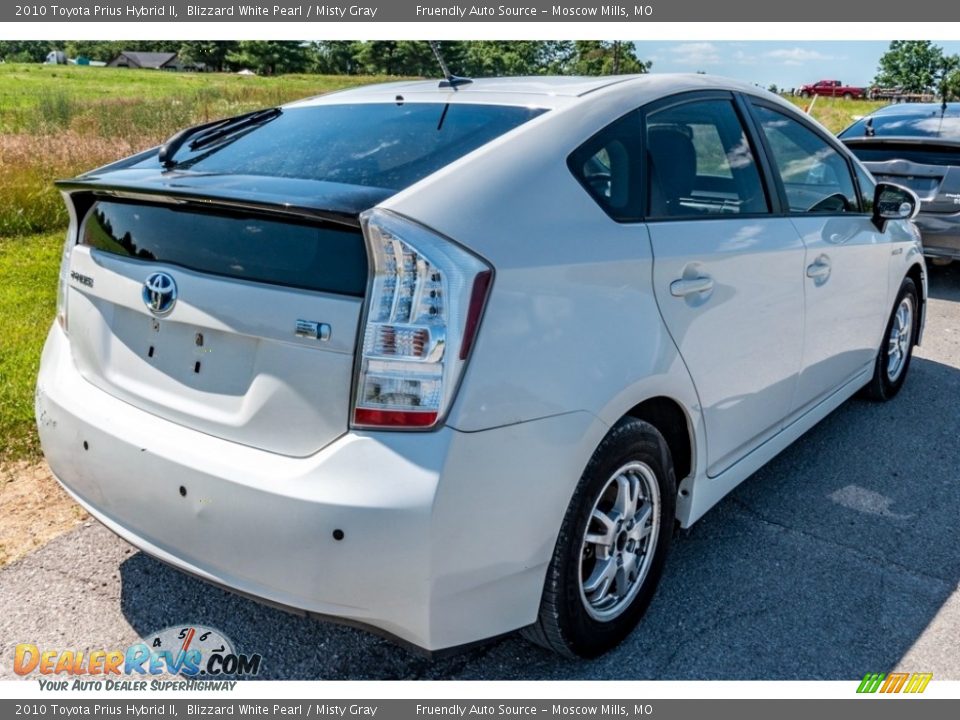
x,y
572,322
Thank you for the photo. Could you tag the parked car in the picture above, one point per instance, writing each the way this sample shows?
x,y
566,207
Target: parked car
x,y
900,94
450,360
918,146
832,88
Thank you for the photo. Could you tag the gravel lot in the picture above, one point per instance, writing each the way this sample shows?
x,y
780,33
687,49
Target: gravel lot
x,y
839,558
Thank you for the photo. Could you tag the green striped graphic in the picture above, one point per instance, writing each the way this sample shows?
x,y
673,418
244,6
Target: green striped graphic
x,y
871,682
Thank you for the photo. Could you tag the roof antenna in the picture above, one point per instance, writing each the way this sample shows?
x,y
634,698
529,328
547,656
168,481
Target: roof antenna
x,y
450,80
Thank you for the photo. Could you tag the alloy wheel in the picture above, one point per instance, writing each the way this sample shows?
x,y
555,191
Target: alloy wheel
x,y
901,335
618,544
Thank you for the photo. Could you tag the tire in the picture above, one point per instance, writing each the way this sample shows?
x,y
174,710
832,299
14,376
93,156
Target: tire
x,y
804,94
896,348
848,96
581,615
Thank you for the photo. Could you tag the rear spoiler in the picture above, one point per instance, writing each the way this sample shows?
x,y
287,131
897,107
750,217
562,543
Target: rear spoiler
x,y
304,199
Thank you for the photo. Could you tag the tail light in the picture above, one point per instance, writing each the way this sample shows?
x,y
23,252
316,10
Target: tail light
x,y
62,280
423,312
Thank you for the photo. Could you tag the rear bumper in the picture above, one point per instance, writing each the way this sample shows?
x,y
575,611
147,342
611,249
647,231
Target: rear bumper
x,y
446,535
940,233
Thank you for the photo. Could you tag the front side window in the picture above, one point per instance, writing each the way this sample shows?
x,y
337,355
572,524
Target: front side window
x,y
700,163
815,176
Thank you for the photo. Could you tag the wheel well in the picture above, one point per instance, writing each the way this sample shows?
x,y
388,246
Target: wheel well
x,y
669,418
915,273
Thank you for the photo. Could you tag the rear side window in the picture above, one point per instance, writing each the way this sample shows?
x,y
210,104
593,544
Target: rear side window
x,y
380,145
699,162
608,166
327,258
815,176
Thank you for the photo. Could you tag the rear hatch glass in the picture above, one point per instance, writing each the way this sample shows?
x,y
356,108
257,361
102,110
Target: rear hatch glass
x,y
385,145
245,246
912,122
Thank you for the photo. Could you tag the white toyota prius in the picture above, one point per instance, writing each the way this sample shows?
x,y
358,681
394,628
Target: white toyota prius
x,y
454,359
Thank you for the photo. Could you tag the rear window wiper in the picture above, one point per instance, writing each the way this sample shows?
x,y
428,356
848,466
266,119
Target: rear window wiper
x,y
207,133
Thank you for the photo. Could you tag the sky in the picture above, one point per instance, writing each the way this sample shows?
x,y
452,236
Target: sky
x,y
784,64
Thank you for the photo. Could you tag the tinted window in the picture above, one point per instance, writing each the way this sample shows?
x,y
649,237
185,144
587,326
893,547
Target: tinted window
x,y
883,150
815,176
930,123
608,166
376,145
868,188
327,258
701,163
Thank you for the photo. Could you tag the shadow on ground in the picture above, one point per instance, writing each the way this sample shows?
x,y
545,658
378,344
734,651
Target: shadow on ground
x,y
828,563
944,281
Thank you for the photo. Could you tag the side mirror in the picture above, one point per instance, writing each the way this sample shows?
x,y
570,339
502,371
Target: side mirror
x,y
893,202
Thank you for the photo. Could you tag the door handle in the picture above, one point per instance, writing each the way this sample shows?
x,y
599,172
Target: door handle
x,y
691,286
819,269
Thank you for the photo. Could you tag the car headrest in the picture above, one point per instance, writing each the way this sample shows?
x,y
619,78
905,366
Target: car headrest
x,y
673,164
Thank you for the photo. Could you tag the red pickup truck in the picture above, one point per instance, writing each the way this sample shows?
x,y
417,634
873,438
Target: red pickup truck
x,y
832,88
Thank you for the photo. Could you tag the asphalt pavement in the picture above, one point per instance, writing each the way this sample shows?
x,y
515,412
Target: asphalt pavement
x,y
838,558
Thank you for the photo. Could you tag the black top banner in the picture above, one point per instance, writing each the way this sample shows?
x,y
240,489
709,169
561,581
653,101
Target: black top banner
x,y
537,11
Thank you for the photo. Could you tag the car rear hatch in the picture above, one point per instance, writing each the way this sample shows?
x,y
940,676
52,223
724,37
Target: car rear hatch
x,y
253,222
929,167
257,344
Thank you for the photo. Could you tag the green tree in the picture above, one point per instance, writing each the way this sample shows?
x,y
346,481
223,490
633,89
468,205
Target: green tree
x,y
212,53
603,57
396,57
951,86
492,58
948,80
155,45
336,57
913,65
104,50
271,57
27,50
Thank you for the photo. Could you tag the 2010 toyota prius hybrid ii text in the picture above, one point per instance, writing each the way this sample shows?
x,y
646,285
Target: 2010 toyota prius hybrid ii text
x,y
454,359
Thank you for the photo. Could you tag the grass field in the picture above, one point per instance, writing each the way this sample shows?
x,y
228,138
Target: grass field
x,y
58,121
28,267
36,96
836,113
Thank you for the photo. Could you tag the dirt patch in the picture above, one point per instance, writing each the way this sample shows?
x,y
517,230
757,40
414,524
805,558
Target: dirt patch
x,y
34,508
